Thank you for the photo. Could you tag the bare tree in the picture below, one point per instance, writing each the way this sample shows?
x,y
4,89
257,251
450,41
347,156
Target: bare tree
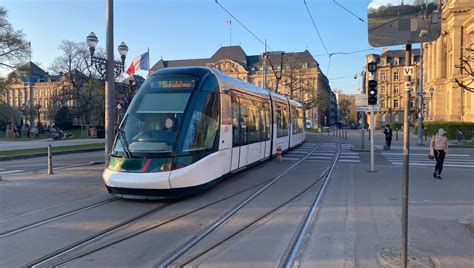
x,y
467,67
84,87
14,50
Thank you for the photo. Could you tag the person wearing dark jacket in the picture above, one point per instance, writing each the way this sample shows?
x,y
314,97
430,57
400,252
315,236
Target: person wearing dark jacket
x,y
388,136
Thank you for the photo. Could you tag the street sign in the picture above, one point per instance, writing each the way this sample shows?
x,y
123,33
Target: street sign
x,y
361,100
420,93
366,109
407,85
408,70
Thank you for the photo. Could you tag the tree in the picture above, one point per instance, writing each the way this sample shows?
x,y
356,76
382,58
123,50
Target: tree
x,y
347,107
85,88
467,69
63,118
14,50
7,115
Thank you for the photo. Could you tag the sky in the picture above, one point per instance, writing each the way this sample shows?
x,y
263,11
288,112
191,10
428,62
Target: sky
x,y
189,29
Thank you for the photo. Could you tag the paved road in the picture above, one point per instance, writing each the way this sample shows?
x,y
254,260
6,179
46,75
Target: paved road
x,y
358,224
37,164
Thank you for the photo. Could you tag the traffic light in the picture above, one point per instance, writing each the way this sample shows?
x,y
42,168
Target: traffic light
x,y
372,94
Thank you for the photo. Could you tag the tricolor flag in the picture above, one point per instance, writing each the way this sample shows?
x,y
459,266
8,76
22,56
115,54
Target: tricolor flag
x,y
141,62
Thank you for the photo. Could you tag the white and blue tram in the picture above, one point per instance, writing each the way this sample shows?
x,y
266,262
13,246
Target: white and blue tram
x,y
188,128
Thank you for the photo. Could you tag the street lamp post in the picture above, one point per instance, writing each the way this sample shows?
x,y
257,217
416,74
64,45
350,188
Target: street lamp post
x,y
431,102
108,69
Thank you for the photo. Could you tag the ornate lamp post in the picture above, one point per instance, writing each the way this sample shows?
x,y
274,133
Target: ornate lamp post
x,y
109,69
101,63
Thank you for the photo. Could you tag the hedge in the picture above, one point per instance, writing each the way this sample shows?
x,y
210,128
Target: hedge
x,y
450,127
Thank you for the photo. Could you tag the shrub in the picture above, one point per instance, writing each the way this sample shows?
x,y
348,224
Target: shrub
x,y
63,118
450,127
396,126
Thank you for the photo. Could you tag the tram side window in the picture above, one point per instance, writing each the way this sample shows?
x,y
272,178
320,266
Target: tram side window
x,y
300,120
282,120
265,115
204,125
297,120
236,121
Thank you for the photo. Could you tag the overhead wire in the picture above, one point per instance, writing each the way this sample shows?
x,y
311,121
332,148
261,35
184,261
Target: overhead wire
x,y
352,13
243,25
316,27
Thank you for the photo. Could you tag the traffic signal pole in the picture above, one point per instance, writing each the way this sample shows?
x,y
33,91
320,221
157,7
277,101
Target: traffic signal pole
x,y
372,122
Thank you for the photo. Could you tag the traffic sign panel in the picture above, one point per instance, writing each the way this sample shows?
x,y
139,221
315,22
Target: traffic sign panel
x,y
409,70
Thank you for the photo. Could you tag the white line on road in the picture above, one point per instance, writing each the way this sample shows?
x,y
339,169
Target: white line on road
x,y
10,172
432,164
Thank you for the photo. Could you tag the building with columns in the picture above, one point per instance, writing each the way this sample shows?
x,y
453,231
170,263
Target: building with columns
x,y
301,77
390,79
446,99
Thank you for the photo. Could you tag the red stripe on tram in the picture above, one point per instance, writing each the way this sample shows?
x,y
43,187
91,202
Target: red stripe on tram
x,y
148,161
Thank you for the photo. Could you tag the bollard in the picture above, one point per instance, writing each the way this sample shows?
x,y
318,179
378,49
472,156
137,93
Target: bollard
x,y
369,135
426,137
279,154
396,132
362,142
50,161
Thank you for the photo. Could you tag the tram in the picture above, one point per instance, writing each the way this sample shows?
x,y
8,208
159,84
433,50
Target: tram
x,y
188,128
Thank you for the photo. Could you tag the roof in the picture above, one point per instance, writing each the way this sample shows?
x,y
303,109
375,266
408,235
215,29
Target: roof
x,y
237,54
399,53
30,72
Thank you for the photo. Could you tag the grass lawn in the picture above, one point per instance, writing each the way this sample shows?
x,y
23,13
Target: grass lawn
x,y
55,149
76,134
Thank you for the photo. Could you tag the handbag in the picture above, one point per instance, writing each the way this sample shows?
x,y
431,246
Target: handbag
x,y
430,157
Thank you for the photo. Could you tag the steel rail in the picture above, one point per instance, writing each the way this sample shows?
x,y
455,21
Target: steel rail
x,y
295,248
180,252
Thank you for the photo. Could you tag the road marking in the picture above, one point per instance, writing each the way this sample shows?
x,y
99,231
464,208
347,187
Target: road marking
x,y
350,160
432,164
10,172
291,158
450,155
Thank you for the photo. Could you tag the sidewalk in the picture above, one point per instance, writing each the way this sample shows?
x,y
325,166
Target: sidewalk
x,y
360,218
18,145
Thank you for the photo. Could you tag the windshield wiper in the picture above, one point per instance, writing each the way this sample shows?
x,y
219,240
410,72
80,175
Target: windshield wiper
x,y
123,138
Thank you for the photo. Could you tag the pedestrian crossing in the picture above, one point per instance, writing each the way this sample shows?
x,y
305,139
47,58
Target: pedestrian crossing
x,y
347,155
453,160
325,153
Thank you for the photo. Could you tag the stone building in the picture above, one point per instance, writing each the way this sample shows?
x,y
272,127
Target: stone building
x,y
301,77
446,100
390,79
31,87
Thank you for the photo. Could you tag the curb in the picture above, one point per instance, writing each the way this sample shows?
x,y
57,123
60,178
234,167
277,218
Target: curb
x,y
26,156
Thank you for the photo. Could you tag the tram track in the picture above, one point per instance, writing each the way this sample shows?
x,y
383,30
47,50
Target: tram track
x,y
88,246
289,256
54,218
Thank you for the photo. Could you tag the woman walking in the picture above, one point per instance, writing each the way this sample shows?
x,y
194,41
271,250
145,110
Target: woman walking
x,y
439,149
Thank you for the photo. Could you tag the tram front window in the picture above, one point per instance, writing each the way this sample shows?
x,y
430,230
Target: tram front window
x,y
152,127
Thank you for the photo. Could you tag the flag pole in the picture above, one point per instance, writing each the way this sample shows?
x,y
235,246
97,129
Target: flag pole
x,y
149,67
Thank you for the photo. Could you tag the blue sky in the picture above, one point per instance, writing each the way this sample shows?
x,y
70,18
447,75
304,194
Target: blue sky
x,y
184,29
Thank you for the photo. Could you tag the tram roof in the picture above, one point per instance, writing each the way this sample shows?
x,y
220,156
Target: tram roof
x,y
227,81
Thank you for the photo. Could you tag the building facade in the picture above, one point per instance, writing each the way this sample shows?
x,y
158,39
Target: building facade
x,y
295,74
446,99
390,80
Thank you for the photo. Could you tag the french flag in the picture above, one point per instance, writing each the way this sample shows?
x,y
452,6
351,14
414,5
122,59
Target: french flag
x,y
141,62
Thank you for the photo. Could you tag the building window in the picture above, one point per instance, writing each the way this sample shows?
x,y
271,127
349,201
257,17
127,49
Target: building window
x,y
382,76
395,103
382,62
396,61
396,89
382,89
396,76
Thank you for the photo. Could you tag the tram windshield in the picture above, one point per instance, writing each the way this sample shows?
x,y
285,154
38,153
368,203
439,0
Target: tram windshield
x,y
166,107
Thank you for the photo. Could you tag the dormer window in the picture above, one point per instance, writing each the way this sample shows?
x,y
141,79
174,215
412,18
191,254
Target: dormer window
x,y
396,61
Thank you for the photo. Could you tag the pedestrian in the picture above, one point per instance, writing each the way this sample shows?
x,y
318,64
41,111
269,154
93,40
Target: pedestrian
x,y
459,136
439,149
388,136
27,130
48,131
14,130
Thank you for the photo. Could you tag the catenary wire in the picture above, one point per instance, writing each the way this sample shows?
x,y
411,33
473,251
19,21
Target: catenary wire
x,y
243,25
352,13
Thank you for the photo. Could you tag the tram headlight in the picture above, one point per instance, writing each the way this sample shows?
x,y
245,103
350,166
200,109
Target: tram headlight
x,y
170,166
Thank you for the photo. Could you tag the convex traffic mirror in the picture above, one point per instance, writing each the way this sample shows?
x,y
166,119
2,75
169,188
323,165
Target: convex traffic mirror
x,y
399,22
